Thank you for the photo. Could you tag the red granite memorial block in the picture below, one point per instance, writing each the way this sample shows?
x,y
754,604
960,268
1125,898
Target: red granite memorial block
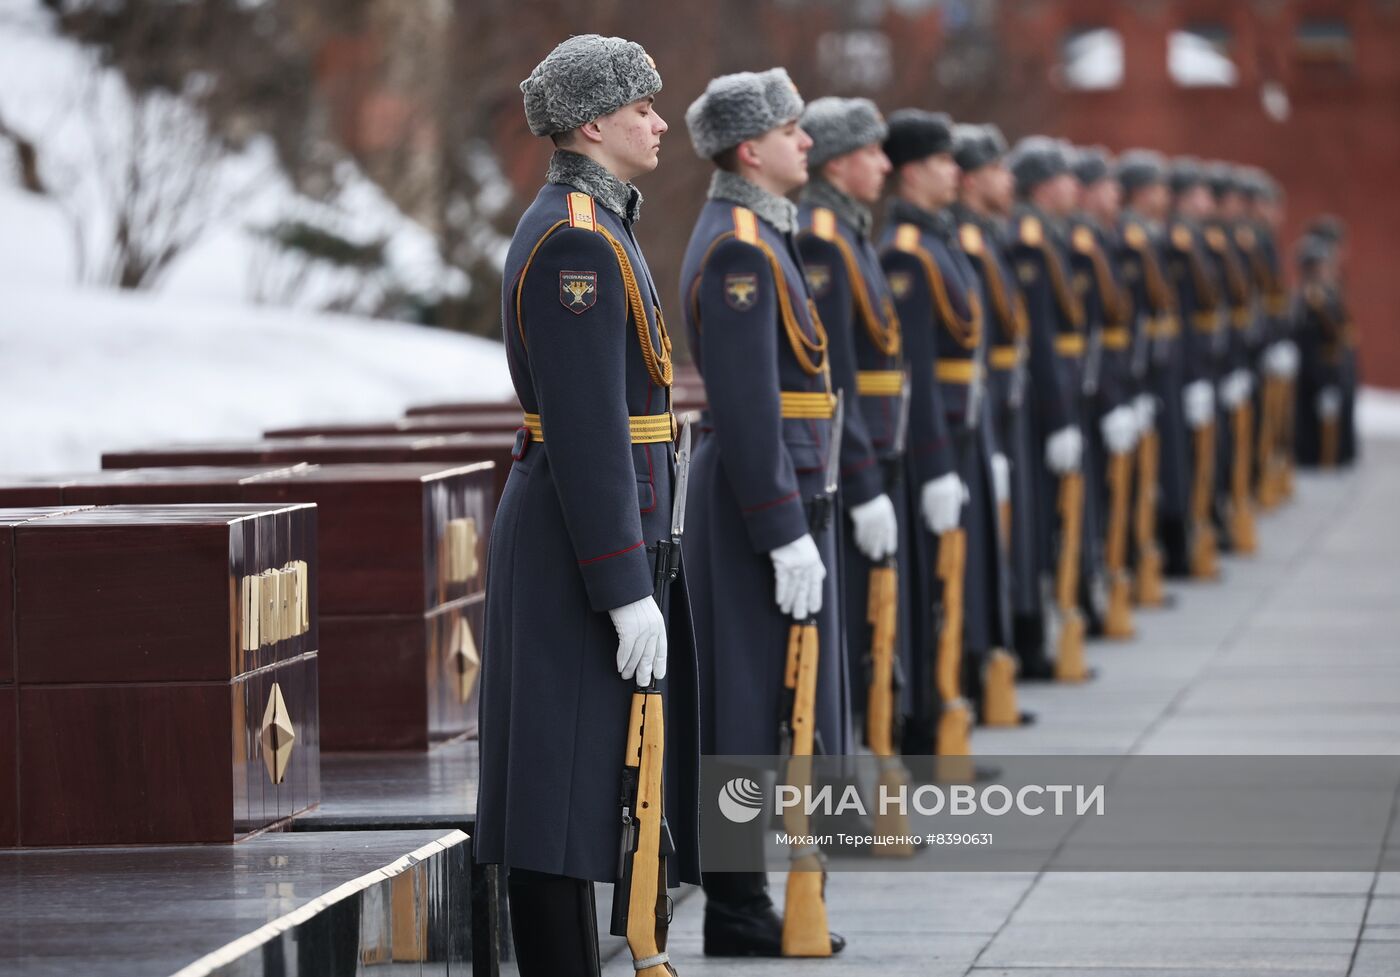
x,y
457,449
465,407
9,767
402,552
427,424
166,672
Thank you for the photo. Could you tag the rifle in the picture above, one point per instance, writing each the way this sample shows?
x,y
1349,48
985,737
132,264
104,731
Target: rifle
x,y
1118,621
1203,552
882,718
640,910
1242,511
1266,452
1069,659
1150,592
805,929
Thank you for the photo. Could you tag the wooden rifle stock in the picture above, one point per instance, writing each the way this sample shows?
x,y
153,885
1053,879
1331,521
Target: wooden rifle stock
x,y
805,930
643,879
881,710
1203,552
1242,507
955,716
1118,621
1266,452
1288,412
1150,592
1069,659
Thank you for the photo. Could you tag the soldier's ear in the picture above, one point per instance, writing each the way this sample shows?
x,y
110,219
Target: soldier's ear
x,y
590,132
747,154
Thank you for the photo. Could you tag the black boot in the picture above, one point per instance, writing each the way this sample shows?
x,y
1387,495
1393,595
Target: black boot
x,y
1028,635
554,922
1175,551
740,920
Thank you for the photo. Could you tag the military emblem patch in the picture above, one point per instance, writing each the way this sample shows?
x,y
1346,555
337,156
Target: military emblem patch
x,y
1181,237
1081,283
578,290
900,281
1027,271
970,236
1135,236
741,291
818,279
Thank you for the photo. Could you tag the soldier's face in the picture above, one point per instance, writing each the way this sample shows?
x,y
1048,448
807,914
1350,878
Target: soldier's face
x,y
1103,198
860,173
1061,194
934,180
631,138
1153,200
1196,202
779,157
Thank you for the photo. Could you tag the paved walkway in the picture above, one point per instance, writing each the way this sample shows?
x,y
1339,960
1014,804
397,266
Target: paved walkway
x,y
1296,652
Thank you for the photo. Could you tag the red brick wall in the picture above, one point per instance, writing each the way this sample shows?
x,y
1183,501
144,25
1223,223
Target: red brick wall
x,y
1338,151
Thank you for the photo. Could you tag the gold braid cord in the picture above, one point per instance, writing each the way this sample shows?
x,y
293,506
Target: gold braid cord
x,y
1013,316
1114,301
967,331
658,366
1157,291
884,334
1069,303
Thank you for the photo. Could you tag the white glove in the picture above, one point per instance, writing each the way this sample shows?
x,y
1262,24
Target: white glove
x,y
941,500
1329,403
1001,477
1198,404
641,640
1281,359
798,574
1146,407
1120,429
1063,450
1234,389
877,529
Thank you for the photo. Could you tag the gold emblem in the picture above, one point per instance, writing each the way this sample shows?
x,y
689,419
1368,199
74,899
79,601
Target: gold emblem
x,y
463,661
1031,232
1083,240
459,559
818,278
900,283
1181,237
741,291
277,735
1215,237
1135,236
1027,271
578,290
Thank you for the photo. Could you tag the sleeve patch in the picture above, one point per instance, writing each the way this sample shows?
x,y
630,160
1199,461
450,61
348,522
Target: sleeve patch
x,y
1027,272
819,279
900,282
741,291
578,290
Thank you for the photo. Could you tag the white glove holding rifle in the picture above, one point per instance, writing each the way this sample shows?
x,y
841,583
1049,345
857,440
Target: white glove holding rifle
x,y
876,528
1064,449
641,640
798,573
941,501
1198,404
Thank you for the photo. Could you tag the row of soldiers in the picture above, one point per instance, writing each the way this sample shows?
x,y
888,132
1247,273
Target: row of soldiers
x,y
933,457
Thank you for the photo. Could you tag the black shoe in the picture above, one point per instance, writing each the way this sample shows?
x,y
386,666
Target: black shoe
x,y
559,914
748,929
1037,669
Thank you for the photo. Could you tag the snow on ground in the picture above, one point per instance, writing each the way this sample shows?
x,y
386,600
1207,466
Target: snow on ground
x,y
92,371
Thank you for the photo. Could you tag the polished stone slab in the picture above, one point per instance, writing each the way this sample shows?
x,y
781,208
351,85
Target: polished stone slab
x,y
310,904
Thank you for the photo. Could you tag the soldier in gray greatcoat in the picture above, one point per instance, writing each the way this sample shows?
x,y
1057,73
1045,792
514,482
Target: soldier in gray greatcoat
x,y
572,627
761,555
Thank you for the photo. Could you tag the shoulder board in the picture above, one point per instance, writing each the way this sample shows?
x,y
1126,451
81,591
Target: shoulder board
x,y
1083,240
1181,237
970,235
1244,236
906,237
745,225
581,212
1031,231
1135,236
824,223
1215,237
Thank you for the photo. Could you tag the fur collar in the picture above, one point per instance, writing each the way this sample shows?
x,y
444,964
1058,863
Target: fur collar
x,y
778,211
578,170
821,193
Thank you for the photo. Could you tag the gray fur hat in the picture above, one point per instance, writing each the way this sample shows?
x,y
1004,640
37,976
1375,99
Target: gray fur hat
x,y
1035,160
741,106
1138,168
583,78
1222,178
1185,172
916,134
975,146
839,125
1091,164
1312,251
